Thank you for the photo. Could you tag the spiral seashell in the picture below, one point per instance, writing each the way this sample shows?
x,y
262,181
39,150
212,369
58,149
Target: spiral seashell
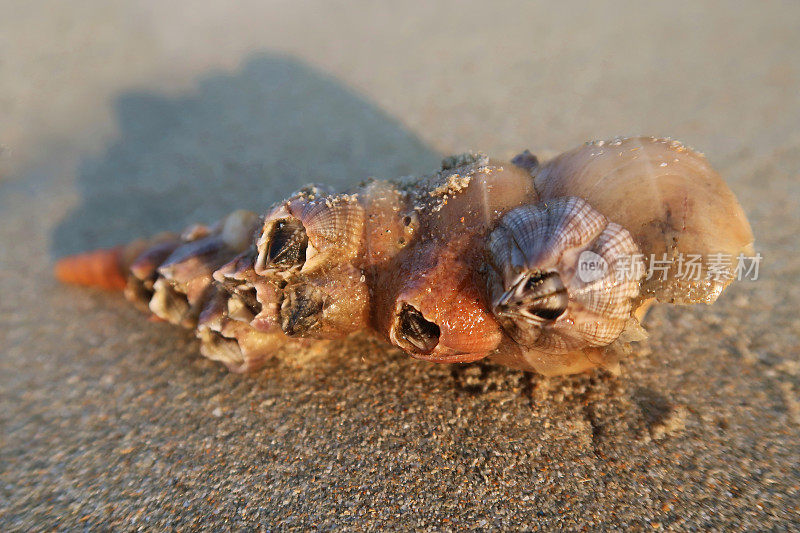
x,y
515,261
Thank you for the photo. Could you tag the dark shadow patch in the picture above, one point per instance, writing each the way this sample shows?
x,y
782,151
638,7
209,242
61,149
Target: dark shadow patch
x,y
241,140
661,416
655,407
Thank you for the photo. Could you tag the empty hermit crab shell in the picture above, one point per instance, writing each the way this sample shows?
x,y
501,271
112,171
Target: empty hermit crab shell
x,y
535,265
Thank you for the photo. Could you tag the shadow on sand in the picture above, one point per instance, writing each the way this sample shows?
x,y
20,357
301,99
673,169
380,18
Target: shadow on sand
x,y
240,140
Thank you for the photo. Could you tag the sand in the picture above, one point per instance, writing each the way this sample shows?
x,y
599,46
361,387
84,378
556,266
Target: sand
x,y
120,119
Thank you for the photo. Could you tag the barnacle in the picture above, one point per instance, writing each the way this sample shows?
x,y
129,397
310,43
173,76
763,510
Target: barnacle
x,y
544,302
519,262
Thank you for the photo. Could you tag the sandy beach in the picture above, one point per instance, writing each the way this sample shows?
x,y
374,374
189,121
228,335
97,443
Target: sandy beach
x,y
122,119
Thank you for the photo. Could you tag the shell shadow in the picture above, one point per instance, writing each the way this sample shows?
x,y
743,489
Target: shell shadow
x,y
240,140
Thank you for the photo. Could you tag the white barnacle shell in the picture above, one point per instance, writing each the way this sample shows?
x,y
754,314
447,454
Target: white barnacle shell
x,y
231,341
253,298
313,246
554,281
310,230
183,278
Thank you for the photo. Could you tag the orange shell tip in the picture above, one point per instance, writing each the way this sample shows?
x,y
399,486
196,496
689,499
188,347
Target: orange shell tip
x,y
98,268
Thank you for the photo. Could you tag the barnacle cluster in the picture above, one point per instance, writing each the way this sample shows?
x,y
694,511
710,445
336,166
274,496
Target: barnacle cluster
x,y
481,259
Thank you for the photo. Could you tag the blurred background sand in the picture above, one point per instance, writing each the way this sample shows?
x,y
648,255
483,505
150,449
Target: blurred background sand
x,y
120,119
